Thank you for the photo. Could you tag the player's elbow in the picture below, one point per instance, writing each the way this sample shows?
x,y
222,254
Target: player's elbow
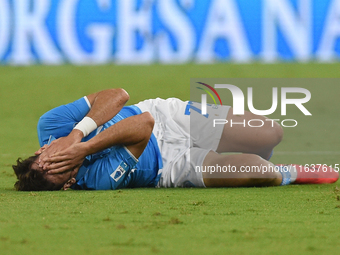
x,y
120,93
149,120
124,94
148,123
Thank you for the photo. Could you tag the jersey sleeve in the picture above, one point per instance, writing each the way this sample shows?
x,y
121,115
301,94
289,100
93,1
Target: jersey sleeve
x,y
60,121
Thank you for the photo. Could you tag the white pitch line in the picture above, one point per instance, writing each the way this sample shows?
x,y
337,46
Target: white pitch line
x,y
306,152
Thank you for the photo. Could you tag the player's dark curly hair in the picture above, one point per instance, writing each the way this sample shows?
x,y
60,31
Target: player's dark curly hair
x,y
30,179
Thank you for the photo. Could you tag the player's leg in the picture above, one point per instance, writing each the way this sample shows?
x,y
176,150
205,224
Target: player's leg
x,y
240,135
222,131
240,170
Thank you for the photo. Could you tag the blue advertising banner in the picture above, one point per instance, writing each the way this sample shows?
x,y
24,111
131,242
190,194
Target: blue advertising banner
x,y
168,31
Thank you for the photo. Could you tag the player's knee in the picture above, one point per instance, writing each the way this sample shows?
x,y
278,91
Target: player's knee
x,y
274,134
278,131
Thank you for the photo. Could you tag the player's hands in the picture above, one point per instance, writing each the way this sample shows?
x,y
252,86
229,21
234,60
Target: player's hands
x,y
41,150
56,146
70,158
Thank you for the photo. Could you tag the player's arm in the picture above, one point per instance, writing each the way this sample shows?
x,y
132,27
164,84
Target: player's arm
x,y
104,106
133,132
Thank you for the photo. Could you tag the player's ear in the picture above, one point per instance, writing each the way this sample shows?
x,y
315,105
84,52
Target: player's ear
x,y
69,183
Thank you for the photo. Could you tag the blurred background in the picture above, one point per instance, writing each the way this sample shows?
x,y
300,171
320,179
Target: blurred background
x,y
168,31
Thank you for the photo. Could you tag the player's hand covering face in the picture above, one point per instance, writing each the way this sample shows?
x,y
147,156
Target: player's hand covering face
x,y
70,158
58,179
56,146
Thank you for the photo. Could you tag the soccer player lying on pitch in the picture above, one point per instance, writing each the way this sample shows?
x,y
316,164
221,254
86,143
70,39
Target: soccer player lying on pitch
x,y
98,143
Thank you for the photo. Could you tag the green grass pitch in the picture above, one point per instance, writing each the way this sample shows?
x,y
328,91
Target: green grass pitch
x,y
278,220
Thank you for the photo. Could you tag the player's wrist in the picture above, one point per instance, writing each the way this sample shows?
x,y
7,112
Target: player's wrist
x,y
76,135
88,148
86,126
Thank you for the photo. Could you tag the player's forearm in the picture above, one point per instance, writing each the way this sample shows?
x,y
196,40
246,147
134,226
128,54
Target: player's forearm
x,y
129,131
107,104
104,106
